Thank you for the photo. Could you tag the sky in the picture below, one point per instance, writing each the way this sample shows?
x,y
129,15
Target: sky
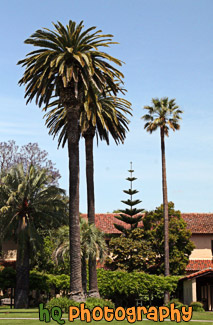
x,y
167,47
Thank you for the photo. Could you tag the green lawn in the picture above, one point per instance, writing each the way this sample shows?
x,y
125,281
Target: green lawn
x,y
33,313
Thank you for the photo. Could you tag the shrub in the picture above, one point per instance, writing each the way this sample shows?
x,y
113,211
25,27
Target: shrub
x,y
197,306
177,304
93,302
64,303
7,278
123,288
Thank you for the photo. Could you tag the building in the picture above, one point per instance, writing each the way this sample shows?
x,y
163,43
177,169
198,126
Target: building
x,y
197,284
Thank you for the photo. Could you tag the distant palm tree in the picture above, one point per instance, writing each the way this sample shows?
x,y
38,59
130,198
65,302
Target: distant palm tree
x,y
27,204
163,114
68,65
108,117
92,244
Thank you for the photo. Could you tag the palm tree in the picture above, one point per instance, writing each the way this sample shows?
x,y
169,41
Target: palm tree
x,y
163,114
67,64
27,204
108,117
92,244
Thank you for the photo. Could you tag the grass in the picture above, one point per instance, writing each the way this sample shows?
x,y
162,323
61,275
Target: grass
x,y
6,312
33,313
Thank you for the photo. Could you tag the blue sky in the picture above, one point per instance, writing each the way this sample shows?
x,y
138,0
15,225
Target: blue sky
x,y
167,47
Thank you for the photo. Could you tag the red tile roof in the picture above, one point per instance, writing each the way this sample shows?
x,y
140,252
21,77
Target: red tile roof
x,y
105,222
196,265
198,223
199,273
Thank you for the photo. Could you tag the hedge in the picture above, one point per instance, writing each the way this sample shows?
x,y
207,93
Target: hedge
x,y
123,288
119,286
64,303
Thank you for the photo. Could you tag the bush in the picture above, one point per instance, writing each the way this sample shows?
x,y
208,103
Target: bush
x,y
123,288
64,303
176,303
120,287
93,302
197,306
7,278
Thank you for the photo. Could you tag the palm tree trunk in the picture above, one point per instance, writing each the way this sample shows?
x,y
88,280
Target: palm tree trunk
x,y
166,215
89,136
72,106
22,266
84,273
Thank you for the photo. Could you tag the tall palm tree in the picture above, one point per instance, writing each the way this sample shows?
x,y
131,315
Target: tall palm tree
x,y
163,114
27,204
67,64
92,244
108,117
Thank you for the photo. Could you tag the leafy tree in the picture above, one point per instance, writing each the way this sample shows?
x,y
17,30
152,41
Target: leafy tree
x,y
164,114
27,204
129,215
69,65
180,245
109,118
143,248
30,154
92,244
43,261
131,252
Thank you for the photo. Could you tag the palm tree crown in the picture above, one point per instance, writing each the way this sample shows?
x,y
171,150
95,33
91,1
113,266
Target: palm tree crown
x,y
92,242
28,194
163,114
28,203
68,58
92,245
108,117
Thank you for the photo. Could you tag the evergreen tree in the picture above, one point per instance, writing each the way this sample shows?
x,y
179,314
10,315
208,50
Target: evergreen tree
x,y
130,214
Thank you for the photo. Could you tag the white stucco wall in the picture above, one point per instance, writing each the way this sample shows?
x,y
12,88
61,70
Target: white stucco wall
x,y
189,291
203,248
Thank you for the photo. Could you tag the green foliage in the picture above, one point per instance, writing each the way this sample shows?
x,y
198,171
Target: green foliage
x,y
110,119
38,281
197,306
119,286
123,288
46,282
7,278
93,302
28,195
177,304
131,253
163,114
180,245
64,303
91,238
129,214
44,261
78,65
143,248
